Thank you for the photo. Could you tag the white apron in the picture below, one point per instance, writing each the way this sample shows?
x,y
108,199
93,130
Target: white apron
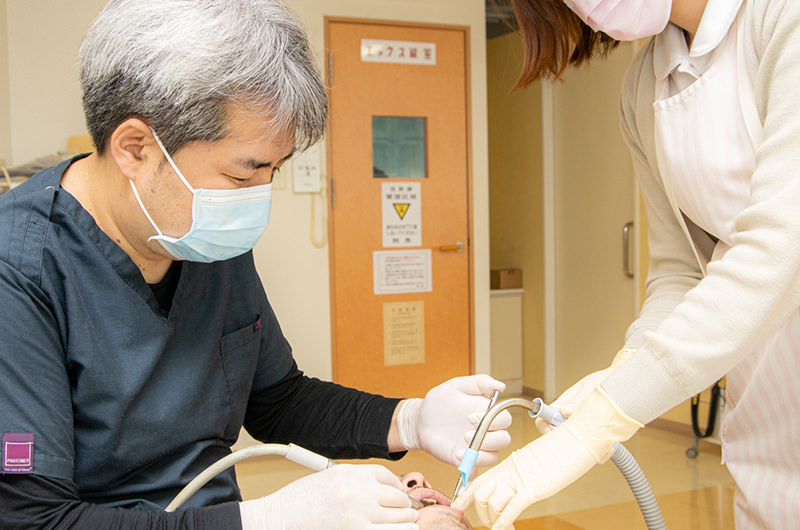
x,y
705,138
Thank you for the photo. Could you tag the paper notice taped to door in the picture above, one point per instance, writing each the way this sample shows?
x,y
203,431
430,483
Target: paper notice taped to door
x,y
403,333
402,271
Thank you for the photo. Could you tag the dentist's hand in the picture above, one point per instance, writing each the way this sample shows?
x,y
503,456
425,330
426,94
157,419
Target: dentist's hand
x,y
444,422
343,497
549,463
574,395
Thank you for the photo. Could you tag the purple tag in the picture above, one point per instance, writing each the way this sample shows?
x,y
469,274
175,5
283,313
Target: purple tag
x,y
17,453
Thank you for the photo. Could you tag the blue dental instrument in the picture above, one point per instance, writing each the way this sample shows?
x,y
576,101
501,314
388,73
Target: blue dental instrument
x,y
471,454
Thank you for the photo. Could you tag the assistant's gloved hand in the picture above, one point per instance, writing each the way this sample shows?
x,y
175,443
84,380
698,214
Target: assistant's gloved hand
x,y
343,497
549,463
444,422
574,395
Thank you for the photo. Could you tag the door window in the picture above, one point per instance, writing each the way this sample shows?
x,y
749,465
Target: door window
x,y
398,147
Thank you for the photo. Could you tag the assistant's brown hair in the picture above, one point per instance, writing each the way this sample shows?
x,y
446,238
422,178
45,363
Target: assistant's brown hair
x,y
554,37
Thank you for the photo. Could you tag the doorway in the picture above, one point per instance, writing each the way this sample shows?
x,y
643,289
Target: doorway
x,y
562,192
400,221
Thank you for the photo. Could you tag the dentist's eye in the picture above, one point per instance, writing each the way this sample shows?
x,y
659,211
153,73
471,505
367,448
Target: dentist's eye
x,y
237,179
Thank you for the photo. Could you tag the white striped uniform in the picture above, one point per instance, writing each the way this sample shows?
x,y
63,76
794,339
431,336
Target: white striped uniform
x,y
708,147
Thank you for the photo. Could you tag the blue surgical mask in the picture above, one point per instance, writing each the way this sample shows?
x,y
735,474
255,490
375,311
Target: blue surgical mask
x,y
225,223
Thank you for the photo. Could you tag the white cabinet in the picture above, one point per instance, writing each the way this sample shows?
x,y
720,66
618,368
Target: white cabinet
x,y
506,337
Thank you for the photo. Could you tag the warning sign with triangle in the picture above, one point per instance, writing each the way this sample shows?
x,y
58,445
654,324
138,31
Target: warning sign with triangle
x,y
401,214
401,208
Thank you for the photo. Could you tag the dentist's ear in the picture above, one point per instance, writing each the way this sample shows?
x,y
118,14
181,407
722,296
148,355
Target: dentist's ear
x,y
131,145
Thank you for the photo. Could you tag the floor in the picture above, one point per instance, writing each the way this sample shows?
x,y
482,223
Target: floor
x,y
694,494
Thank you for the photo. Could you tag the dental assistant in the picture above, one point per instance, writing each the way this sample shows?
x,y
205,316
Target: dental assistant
x,y
711,112
137,338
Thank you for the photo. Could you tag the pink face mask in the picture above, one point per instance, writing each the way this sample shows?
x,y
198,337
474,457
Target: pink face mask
x,y
624,19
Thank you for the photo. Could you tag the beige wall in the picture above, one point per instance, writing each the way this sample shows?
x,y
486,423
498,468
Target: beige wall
x,y
43,39
515,192
5,118
594,197
44,96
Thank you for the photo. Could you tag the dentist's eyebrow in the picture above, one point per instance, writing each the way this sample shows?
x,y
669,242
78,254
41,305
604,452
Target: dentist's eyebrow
x,y
252,163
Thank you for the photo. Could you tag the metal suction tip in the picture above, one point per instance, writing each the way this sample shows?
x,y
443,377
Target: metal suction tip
x,y
459,485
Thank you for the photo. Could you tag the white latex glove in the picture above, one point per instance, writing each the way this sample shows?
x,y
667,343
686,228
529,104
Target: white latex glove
x,y
574,395
549,463
343,497
444,422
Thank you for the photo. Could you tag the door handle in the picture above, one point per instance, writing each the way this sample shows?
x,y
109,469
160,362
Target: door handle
x,y
626,245
456,247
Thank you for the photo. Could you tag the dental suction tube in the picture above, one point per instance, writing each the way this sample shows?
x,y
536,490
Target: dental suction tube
x,y
621,457
471,455
292,452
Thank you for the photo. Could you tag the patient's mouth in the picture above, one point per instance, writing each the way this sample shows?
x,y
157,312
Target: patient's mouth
x,y
429,496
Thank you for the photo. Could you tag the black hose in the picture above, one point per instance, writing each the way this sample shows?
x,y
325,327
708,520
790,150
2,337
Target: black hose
x,y
712,413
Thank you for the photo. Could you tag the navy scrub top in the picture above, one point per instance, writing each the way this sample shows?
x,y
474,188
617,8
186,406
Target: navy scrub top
x,y
128,403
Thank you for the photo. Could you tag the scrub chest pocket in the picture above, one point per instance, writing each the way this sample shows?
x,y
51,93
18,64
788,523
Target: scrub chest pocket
x,y
239,356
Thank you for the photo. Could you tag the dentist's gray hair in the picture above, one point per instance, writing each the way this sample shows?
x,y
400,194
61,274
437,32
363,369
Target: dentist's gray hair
x,y
180,65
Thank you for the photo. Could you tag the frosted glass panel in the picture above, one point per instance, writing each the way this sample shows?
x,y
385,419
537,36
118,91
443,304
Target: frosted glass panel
x,y
398,147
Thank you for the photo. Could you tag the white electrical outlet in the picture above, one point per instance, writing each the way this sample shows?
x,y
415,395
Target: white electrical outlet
x,y
307,176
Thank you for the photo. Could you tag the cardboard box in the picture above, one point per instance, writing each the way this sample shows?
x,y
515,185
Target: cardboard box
x,y
506,279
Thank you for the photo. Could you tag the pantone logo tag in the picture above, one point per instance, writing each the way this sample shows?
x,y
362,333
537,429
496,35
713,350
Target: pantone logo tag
x,y
17,453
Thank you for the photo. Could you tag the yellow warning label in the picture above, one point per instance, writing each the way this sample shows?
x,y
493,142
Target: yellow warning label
x,y
401,209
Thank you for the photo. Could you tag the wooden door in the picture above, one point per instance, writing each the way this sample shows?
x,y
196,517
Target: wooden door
x,y
402,339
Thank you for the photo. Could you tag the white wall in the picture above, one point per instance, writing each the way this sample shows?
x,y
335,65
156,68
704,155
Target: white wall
x,y
44,102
